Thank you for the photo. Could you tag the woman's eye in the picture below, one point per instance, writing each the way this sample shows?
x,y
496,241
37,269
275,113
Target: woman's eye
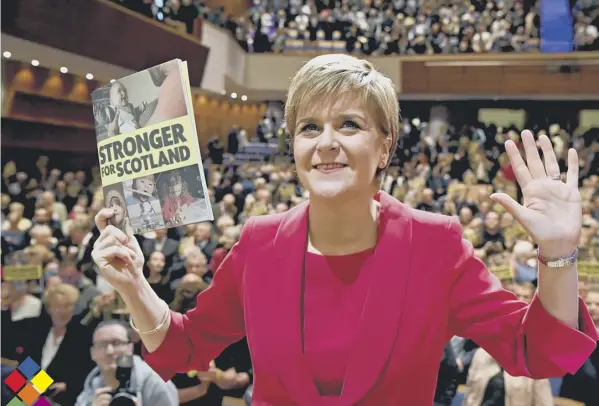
x,y
310,127
351,124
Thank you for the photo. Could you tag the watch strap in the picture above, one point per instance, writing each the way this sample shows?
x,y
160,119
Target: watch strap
x,y
558,262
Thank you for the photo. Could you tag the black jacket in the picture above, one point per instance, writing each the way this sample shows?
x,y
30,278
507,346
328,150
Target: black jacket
x,y
447,380
72,362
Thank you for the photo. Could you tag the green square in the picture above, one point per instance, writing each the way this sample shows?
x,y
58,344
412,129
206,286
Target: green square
x,y
15,402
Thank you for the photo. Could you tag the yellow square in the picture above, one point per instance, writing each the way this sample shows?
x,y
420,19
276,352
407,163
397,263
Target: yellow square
x,y
42,381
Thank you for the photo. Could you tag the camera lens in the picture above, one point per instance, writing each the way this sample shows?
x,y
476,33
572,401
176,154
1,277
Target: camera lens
x,y
123,399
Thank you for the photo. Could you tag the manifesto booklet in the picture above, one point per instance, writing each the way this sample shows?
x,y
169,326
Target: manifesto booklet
x,y
150,163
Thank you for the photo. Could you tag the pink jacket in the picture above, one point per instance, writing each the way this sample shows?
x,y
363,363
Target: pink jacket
x,y
429,287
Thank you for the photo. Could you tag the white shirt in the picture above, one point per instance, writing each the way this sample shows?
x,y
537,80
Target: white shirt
x,y
31,306
50,349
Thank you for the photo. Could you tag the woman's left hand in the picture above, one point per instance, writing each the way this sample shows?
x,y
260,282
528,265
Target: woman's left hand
x,y
552,210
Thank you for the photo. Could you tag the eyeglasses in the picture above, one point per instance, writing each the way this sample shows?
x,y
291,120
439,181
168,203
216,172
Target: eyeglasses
x,y
102,345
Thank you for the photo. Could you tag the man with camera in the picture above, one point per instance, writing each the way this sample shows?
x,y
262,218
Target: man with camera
x,y
121,378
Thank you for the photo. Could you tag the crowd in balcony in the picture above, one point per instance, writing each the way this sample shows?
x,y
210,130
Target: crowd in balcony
x,y
378,27
47,221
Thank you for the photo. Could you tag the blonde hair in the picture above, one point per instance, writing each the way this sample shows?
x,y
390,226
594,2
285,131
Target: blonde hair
x,y
330,76
224,220
70,292
194,252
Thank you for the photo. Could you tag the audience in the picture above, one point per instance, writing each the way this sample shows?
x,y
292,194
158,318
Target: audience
x,y
489,384
111,340
55,338
48,223
377,27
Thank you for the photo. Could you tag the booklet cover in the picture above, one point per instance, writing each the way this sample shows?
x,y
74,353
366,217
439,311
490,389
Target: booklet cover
x,y
148,149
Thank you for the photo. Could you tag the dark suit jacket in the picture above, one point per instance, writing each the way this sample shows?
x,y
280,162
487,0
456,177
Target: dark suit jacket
x,y
207,248
429,286
447,381
26,338
170,249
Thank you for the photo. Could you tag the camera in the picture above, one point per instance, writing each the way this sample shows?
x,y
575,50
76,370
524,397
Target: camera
x,y
123,394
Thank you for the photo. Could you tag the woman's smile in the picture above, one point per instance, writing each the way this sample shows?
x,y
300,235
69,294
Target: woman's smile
x,y
329,167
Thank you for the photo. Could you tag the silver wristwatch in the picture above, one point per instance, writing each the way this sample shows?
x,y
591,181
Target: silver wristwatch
x,y
558,262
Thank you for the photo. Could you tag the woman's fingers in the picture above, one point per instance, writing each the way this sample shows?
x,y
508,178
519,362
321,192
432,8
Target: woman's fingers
x,y
572,177
112,241
102,218
521,171
108,255
533,159
551,165
112,231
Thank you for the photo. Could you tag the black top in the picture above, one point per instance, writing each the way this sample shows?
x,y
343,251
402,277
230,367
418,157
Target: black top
x,y
72,362
583,386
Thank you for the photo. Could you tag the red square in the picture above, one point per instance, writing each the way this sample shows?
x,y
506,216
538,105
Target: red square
x,y
15,381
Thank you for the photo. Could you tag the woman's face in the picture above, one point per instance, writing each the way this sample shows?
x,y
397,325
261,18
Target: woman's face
x,y
119,212
177,188
10,292
156,262
338,148
60,310
592,302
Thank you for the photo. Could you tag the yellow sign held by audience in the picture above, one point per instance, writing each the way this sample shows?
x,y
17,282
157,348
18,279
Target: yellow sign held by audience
x,y
504,273
22,272
586,268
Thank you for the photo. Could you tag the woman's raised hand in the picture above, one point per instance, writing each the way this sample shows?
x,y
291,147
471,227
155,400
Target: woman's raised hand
x,y
551,209
117,254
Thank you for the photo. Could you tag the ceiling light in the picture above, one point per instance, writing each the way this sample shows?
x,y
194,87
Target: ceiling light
x,y
244,97
35,62
6,54
89,76
233,95
64,69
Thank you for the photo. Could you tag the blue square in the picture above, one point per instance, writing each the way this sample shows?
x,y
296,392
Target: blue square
x,y
29,368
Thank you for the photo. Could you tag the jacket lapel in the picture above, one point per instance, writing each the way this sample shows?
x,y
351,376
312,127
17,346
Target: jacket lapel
x,y
378,326
286,303
380,321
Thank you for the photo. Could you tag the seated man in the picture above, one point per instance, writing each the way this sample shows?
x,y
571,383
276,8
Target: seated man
x,y
111,339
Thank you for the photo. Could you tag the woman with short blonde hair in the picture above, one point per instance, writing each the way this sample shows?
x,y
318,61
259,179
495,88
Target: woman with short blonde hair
x,y
55,340
62,290
329,292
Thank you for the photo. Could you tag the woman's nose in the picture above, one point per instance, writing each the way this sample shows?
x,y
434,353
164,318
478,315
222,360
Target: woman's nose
x,y
327,139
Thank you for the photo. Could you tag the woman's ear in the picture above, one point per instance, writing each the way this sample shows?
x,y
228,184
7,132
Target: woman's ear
x,y
383,161
386,152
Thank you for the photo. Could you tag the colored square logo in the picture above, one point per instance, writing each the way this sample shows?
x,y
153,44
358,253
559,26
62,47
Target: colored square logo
x,y
42,381
15,402
28,381
29,368
29,394
15,381
42,402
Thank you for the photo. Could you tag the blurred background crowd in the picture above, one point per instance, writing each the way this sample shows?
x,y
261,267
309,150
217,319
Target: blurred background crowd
x,y
48,216
448,162
380,27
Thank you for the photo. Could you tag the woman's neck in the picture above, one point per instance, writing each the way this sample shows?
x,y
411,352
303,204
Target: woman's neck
x,y
154,277
59,332
341,228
